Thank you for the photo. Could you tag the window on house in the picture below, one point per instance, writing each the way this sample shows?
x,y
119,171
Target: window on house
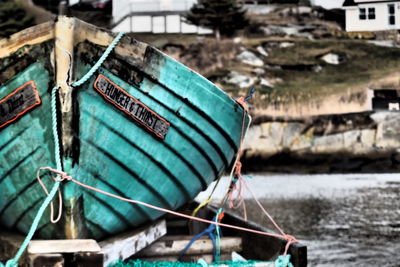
x,y
371,13
392,18
363,14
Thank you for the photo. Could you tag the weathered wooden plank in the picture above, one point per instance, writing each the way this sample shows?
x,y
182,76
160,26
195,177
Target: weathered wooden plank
x,y
46,260
63,246
208,258
29,36
173,245
84,259
127,244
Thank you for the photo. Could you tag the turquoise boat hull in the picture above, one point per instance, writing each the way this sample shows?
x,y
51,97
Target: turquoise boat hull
x,y
143,127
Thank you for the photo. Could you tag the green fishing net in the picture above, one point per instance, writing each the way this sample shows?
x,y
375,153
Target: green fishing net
x,y
139,263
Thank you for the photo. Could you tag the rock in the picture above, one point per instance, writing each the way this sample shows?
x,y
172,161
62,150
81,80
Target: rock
x,y
260,9
351,139
259,71
368,137
262,51
301,10
352,146
289,30
333,58
382,116
388,131
240,80
274,131
250,58
273,67
286,44
328,144
237,40
266,83
384,43
292,132
317,68
259,142
272,31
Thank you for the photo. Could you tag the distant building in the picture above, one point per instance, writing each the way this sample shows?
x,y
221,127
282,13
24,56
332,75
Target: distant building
x,y
156,16
372,15
384,94
330,4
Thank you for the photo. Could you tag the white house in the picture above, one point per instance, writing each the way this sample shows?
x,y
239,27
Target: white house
x,y
372,15
156,16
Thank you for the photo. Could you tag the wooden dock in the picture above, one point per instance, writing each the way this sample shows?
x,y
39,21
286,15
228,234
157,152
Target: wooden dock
x,y
162,240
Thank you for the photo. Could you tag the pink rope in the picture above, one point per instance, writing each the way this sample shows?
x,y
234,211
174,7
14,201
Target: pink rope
x,y
289,238
237,201
63,176
60,200
236,172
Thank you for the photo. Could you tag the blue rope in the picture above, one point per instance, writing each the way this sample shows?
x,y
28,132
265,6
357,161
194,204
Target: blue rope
x,y
14,261
209,231
215,239
250,96
89,74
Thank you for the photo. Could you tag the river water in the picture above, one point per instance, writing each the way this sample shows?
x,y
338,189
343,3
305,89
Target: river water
x,y
345,220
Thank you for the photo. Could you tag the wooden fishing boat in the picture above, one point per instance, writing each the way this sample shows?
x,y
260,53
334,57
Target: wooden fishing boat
x,y
143,127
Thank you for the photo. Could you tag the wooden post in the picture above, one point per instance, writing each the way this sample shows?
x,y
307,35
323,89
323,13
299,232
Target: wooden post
x,y
125,245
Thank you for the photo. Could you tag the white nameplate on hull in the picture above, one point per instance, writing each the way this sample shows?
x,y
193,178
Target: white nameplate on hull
x,y
138,111
18,103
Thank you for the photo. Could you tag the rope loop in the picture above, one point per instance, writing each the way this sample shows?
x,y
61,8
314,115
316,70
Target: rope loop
x,y
63,176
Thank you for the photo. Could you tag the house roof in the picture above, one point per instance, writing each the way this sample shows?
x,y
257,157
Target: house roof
x,y
349,3
357,2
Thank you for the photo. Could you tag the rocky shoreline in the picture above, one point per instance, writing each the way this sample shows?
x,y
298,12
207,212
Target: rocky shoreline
x,y
366,142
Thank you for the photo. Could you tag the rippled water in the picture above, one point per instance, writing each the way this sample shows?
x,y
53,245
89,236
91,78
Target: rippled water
x,y
345,220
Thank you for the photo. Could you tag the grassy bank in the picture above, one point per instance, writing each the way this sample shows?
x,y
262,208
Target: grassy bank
x,y
298,72
361,64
